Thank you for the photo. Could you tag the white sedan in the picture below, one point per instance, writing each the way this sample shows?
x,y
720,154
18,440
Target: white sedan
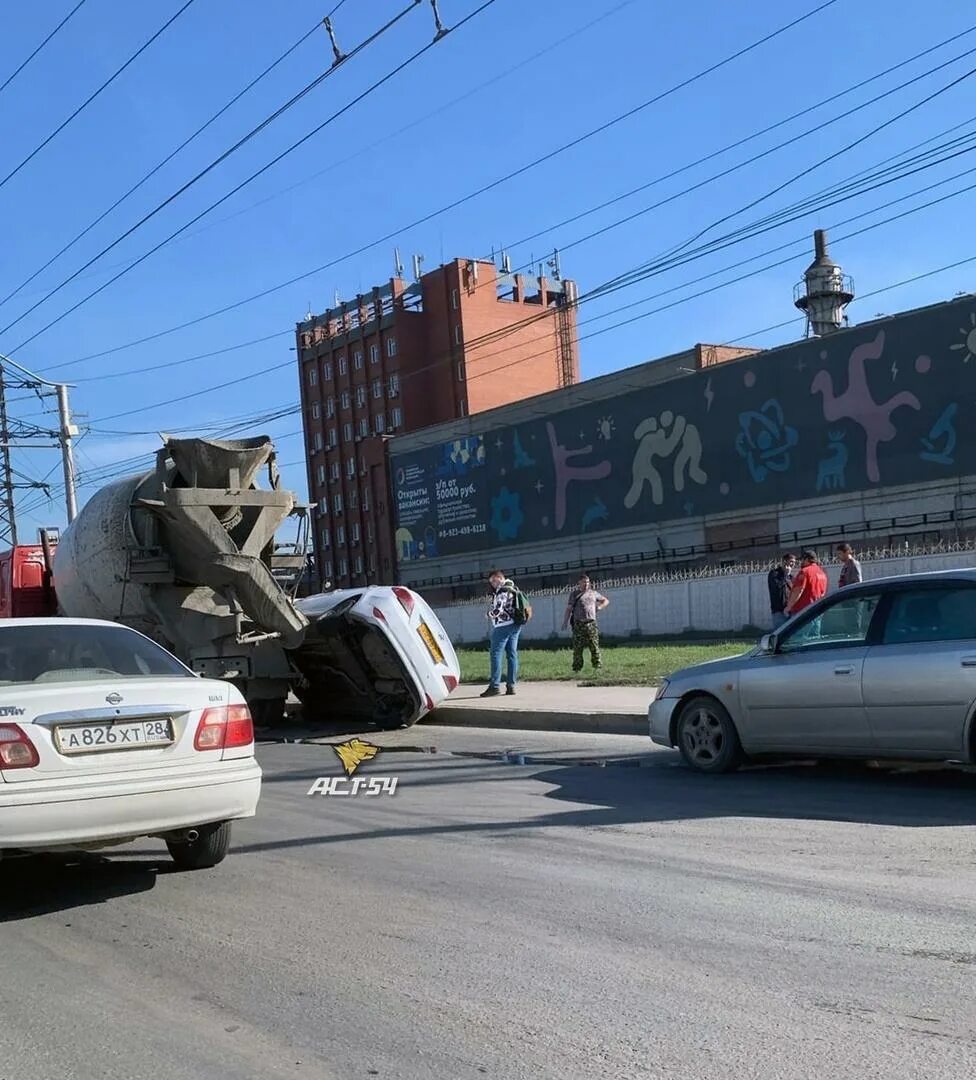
x,y
377,655
105,737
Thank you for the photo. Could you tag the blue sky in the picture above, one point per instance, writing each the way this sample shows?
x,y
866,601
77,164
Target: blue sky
x,y
513,84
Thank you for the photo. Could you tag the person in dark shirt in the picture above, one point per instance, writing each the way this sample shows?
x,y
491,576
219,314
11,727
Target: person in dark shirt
x,y
850,568
780,582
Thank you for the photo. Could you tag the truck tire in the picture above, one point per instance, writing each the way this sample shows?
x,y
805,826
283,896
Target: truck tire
x,y
268,712
209,848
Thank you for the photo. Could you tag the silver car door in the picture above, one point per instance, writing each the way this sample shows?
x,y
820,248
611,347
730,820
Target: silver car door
x,y
920,680
806,696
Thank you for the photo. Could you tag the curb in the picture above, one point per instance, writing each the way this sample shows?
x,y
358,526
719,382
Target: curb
x,y
538,720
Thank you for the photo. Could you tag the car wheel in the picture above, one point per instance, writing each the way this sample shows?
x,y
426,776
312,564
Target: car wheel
x,y
707,737
208,849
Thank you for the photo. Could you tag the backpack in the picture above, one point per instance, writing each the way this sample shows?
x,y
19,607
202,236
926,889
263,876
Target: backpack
x,y
521,609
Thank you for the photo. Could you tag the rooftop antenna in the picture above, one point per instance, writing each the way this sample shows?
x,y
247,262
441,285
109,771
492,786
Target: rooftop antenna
x,y
397,263
506,262
337,53
308,314
554,266
439,25
338,300
418,261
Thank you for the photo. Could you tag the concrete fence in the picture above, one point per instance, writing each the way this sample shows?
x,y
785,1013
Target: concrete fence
x,y
724,604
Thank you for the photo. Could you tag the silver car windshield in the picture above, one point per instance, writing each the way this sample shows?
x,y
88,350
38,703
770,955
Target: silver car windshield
x,y
49,653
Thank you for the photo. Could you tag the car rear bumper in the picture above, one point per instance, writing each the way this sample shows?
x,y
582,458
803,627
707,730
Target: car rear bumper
x,y
46,814
659,720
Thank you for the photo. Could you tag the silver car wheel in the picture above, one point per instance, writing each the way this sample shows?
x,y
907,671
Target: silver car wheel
x,y
704,736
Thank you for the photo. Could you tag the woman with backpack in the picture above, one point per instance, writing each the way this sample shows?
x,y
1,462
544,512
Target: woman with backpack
x,y
508,612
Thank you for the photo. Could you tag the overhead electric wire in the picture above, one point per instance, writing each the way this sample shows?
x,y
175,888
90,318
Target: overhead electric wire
x,y
91,97
253,176
281,110
862,183
480,191
169,157
13,75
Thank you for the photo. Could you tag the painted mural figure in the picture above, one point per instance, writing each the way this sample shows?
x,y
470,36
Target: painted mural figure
x,y
940,446
856,403
765,440
832,471
658,438
566,473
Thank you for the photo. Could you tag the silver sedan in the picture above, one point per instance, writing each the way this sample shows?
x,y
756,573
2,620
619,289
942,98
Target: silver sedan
x,y
883,669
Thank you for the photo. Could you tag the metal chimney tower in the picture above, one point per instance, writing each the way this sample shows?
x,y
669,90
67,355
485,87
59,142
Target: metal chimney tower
x,y
824,292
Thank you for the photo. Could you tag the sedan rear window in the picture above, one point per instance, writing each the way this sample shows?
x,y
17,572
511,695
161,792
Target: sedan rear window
x,y
49,653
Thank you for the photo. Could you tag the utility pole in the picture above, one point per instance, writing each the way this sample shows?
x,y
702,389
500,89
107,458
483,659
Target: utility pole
x,y
24,435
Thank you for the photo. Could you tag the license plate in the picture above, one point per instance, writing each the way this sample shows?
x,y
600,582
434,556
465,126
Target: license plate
x,y
131,735
432,647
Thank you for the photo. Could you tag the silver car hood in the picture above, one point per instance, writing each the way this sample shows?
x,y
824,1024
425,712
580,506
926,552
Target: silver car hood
x,y
714,667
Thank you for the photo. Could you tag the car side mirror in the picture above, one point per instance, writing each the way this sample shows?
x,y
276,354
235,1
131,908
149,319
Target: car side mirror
x,y
767,643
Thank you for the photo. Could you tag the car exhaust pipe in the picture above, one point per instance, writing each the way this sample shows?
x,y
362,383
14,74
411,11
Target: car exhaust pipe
x,y
192,835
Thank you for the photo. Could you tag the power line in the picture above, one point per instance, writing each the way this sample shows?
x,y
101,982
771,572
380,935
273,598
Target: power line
x,y
280,111
264,168
10,78
471,195
91,97
169,157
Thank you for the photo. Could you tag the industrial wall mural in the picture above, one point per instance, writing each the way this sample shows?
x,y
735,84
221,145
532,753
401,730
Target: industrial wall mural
x,y
869,407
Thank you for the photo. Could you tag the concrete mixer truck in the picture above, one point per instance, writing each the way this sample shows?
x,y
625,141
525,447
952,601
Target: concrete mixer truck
x,y
183,553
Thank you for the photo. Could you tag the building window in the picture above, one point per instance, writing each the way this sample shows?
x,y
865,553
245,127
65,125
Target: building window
x,y
316,410
454,299
364,426
394,385
379,423
362,467
369,531
343,568
374,354
343,365
365,500
334,470
359,564
327,570
345,400
327,370
341,535
330,408
324,506
355,532
457,334
460,371
360,395
320,474
463,407
372,565
326,539
317,441
313,377
353,499
347,432
396,417
378,389
350,467
357,360
337,502
333,438
391,347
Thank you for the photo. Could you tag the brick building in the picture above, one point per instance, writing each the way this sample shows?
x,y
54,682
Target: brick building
x,y
464,338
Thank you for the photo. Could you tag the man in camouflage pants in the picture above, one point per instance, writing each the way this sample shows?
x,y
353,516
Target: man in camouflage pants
x,y
584,602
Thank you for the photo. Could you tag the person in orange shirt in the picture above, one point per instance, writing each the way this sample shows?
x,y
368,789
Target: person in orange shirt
x,y
809,584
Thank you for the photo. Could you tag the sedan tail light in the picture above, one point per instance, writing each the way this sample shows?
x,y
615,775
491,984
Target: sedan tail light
x,y
16,749
224,728
451,683
406,598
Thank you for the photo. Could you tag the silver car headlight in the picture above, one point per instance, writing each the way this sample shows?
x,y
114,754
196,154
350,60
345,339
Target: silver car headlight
x,y
662,690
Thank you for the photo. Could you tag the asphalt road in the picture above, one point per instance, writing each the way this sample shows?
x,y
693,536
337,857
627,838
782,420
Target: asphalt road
x,y
553,920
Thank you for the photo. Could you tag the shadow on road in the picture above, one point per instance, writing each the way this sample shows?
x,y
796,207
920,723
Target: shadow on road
x,y
41,885
666,791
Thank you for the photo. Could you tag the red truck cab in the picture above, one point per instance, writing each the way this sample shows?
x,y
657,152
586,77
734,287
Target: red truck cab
x,y
26,590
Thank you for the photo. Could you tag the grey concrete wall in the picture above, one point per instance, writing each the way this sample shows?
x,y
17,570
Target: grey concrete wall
x,y
707,605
